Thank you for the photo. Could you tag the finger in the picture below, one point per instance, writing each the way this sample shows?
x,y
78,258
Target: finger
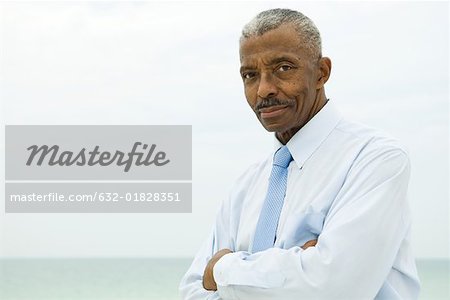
x,y
308,244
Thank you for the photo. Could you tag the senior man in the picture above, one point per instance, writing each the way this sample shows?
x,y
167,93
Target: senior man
x,y
325,216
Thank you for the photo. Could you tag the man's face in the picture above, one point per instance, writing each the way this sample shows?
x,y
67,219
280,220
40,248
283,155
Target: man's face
x,y
280,79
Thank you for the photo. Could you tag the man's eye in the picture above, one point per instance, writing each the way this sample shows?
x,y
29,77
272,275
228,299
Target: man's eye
x,y
284,68
248,75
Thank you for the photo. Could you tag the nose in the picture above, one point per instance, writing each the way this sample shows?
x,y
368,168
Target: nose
x,y
267,87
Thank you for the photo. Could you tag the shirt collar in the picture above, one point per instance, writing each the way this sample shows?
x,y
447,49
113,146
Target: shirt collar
x,y
306,141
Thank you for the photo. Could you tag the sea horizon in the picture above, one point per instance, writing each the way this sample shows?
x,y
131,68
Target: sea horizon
x,y
139,278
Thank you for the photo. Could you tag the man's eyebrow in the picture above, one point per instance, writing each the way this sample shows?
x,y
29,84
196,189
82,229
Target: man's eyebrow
x,y
272,61
245,67
277,60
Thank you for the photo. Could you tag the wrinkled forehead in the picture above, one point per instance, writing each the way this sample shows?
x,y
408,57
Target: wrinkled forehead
x,y
284,39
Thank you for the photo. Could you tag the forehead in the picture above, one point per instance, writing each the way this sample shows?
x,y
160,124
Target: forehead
x,y
282,41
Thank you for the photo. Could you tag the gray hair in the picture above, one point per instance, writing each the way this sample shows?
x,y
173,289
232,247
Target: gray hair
x,y
274,18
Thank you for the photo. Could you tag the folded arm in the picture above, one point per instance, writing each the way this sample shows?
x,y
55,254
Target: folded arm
x,y
355,250
208,277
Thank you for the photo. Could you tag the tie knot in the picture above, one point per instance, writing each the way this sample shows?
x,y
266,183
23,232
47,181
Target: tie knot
x,y
282,157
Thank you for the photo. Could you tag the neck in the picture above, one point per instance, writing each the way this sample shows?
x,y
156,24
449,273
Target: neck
x,y
319,103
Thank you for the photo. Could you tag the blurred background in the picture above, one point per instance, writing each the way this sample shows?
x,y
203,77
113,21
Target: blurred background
x,y
177,63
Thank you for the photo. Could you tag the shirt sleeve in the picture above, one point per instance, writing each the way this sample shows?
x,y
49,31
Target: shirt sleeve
x,y
191,285
361,236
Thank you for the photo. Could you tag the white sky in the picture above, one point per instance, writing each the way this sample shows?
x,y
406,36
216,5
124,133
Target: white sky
x,y
177,63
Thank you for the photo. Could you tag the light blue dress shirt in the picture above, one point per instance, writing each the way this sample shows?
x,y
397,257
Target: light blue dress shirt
x,y
347,187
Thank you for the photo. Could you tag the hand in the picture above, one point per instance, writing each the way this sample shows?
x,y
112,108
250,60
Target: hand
x,y
208,277
308,244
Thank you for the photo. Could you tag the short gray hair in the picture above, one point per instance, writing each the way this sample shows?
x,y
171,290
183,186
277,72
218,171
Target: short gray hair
x,y
274,18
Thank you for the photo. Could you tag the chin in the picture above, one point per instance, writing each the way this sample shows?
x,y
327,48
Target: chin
x,y
274,127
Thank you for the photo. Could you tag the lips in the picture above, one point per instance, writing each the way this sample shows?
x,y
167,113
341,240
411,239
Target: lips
x,y
272,111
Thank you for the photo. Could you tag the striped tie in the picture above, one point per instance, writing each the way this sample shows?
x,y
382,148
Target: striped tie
x,y
270,212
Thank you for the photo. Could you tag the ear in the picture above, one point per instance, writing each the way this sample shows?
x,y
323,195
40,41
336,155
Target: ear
x,y
324,72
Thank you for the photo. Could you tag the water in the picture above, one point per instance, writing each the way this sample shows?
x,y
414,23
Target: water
x,y
145,278
91,278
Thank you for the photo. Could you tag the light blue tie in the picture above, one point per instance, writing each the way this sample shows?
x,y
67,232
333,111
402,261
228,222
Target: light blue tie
x,y
270,213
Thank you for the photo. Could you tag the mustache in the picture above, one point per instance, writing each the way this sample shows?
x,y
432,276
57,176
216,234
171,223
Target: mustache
x,y
268,102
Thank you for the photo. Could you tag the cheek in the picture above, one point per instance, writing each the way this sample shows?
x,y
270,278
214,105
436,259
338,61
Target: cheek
x,y
299,84
300,93
250,96
295,90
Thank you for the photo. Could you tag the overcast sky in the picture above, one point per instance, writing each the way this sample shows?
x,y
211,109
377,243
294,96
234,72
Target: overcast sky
x,y
177,63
